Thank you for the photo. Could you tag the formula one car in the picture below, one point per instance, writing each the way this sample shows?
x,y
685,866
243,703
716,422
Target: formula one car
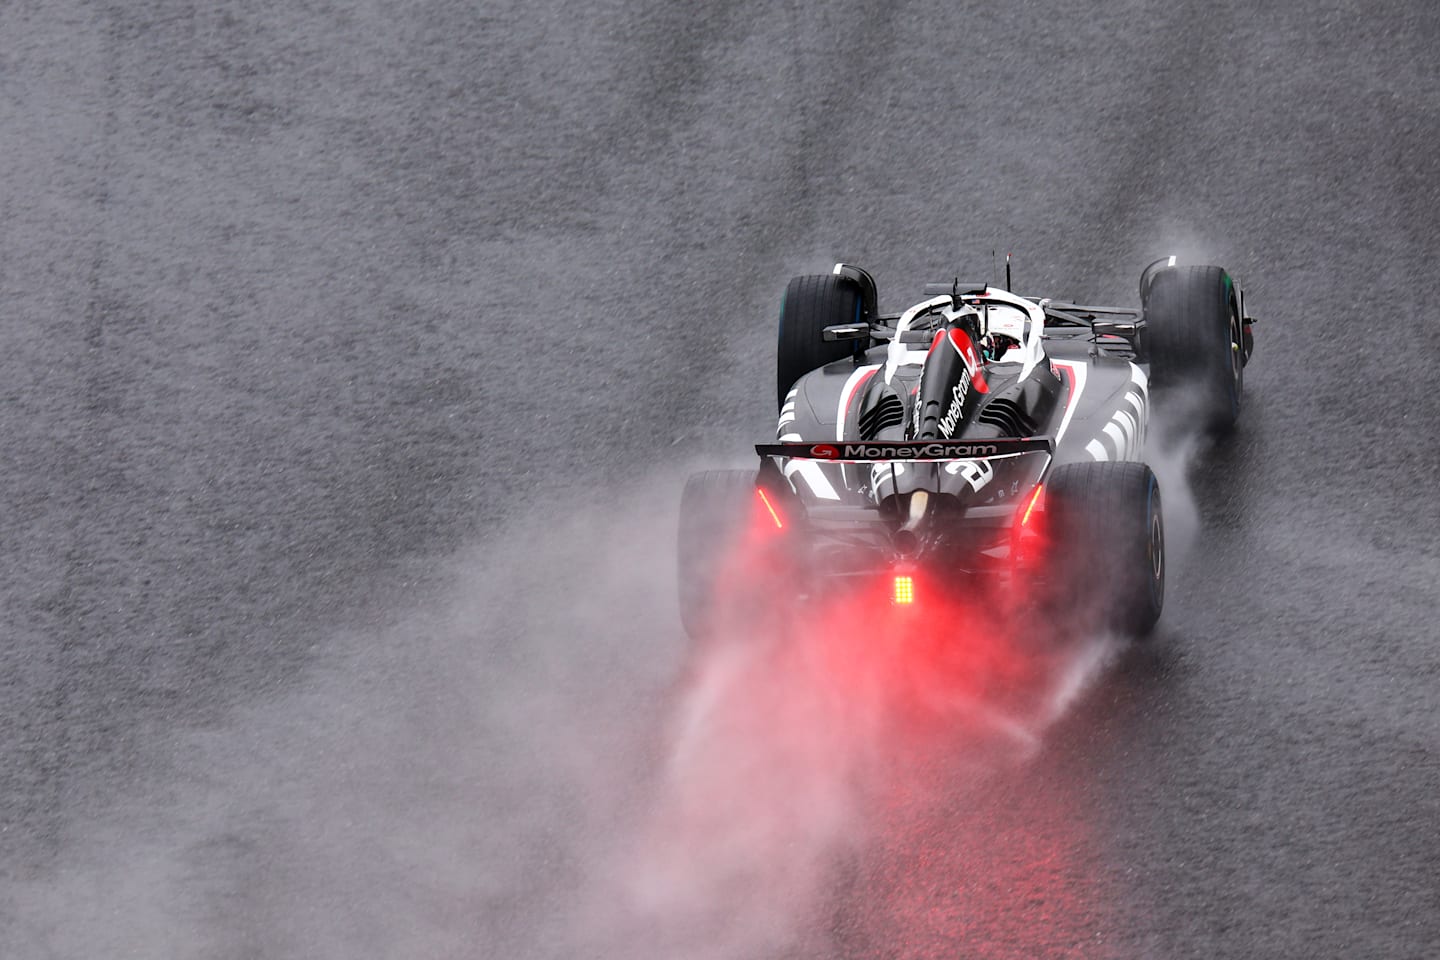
x,y
979,442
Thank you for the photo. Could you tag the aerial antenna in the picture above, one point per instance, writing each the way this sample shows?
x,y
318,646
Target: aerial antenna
x,y
1008,285
992,267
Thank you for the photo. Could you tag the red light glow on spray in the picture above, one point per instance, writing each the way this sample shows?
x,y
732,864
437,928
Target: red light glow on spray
x,y
897,713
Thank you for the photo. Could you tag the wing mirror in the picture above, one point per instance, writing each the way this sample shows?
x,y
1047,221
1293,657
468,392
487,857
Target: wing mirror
x,y
1113,328
846,331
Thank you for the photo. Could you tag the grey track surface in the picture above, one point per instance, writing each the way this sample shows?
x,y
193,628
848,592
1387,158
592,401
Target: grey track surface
x,y
320,319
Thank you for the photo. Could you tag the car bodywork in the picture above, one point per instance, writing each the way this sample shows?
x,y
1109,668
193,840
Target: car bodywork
x,y
928,445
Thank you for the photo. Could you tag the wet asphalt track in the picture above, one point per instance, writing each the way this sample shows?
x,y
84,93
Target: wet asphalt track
x,y
303,301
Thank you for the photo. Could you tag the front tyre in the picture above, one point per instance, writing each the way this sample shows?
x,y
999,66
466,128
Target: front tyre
x,y
1194,338
1107,537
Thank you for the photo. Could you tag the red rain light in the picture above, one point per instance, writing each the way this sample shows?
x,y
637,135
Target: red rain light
x,y
903,591
1037,497
768,506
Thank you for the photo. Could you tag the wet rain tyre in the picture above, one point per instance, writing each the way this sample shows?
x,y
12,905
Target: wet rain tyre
x,y
811,304
1108,538
1193,337
714,509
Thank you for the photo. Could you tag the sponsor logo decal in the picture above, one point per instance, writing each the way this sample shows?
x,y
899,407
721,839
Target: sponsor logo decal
x,y
951,420
918,451
881,450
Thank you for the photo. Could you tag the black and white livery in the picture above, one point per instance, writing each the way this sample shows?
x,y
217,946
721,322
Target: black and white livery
x,y
978,442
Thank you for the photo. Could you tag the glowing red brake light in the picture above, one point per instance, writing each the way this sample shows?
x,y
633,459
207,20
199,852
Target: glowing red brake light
x,y
903,591
1038,497
768,506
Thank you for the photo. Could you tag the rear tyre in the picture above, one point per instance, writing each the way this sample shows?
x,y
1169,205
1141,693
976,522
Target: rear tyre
x,y
811,304
715,508
1194,339
1107,538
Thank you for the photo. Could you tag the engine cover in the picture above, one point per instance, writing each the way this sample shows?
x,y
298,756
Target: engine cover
x,y
951,386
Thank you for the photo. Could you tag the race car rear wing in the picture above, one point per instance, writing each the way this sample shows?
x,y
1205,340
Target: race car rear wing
x,y
880,451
